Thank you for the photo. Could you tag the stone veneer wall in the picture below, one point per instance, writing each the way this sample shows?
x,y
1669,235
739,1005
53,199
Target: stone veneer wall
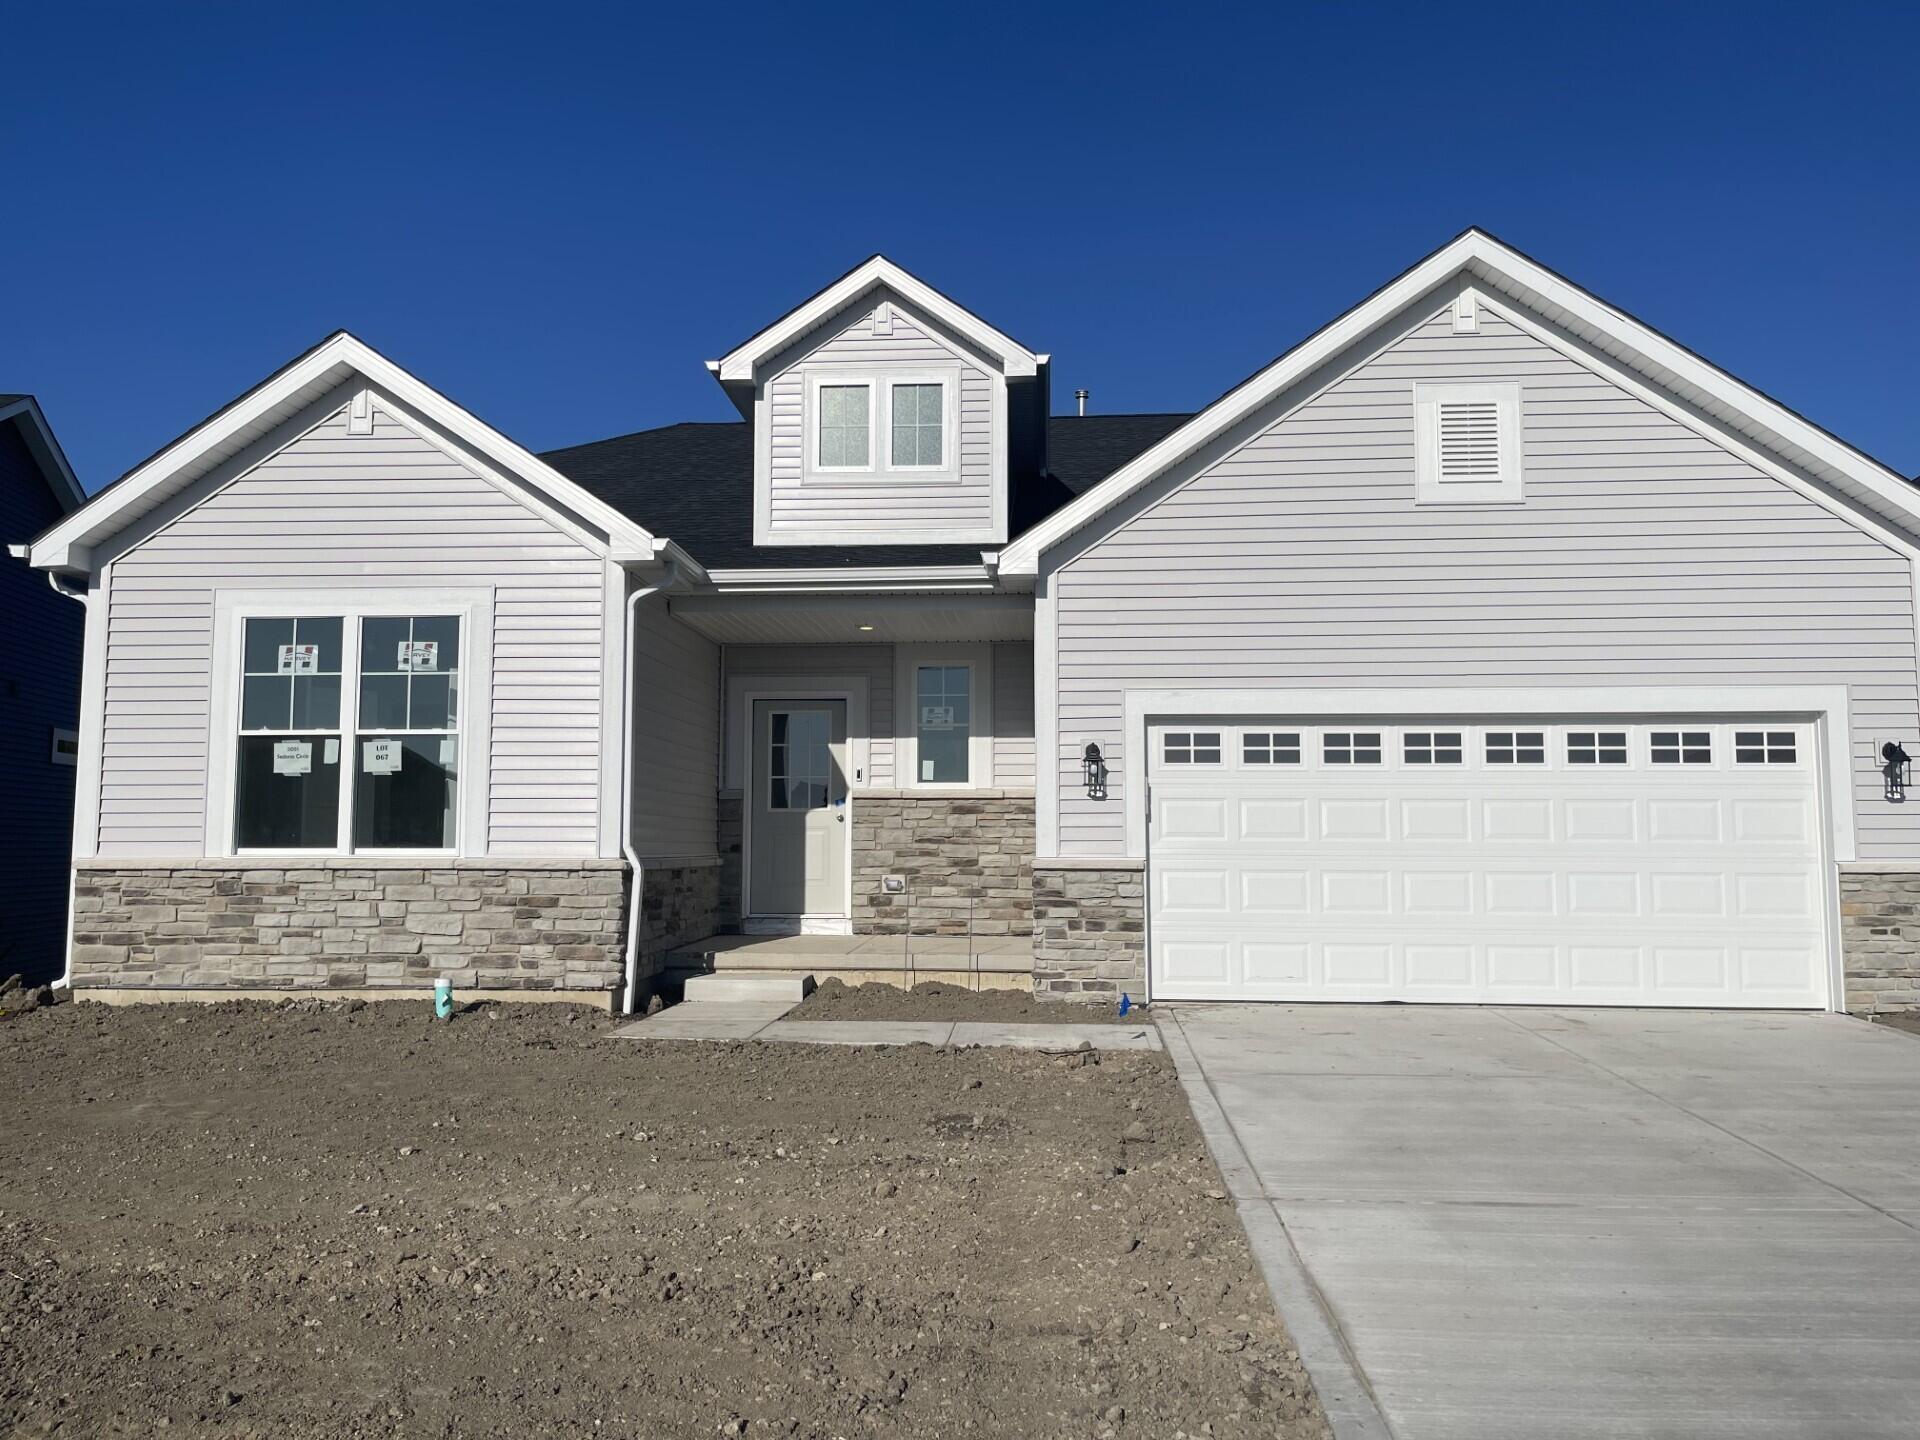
x,y
679,904
1880,940
967,861
272,925
1089,933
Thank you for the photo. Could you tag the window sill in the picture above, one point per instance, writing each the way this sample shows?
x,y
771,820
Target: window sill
x,y
948,792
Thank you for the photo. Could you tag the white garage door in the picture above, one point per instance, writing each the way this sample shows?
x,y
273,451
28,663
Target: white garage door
x,y
1592,863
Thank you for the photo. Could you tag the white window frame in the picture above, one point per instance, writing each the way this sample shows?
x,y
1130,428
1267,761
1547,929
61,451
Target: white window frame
x,y
880,383
1508,487
232,609
977,657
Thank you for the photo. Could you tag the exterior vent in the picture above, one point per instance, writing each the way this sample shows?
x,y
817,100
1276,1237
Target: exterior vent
x,y
1467,444
1469,440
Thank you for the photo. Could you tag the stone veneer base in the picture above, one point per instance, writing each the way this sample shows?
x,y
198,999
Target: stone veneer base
x,y
967,860
1089,932
1880,939
278,925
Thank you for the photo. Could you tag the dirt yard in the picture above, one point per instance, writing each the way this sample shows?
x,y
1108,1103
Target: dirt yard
x,y
931,1000
316,1220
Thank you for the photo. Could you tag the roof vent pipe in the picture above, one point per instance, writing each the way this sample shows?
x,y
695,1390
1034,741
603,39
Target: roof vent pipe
x,y
1081,396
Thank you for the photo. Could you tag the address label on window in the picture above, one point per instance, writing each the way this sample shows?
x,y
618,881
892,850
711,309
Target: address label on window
x,y
419,654
299,659
293,757
937,717
381,757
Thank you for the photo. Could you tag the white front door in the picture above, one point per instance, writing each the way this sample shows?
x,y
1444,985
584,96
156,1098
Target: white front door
x,y
797,811
1515,862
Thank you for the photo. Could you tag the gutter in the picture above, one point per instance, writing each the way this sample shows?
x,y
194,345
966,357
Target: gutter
x,y
65,982
636,908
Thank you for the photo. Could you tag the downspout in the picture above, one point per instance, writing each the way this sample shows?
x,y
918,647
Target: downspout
x,y
636,907
65,982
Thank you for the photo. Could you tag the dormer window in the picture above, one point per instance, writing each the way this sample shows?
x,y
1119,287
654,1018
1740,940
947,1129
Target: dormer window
x,y
882,424
846,426
919,423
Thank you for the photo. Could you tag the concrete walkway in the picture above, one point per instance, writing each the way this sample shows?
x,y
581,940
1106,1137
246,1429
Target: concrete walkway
x,y
1536,1223
761,1020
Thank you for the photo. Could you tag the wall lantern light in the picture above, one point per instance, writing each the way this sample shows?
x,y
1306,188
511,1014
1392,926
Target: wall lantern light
x,y
1095,770
1898,770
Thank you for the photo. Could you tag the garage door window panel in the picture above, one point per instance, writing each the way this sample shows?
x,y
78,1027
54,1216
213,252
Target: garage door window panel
x,y
1681,747
1350,747
1596,747
1516,747
1270,747
1432,747
1192,747
1765,747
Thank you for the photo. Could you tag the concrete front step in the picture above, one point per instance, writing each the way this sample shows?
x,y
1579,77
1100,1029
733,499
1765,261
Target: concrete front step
x,y
737,986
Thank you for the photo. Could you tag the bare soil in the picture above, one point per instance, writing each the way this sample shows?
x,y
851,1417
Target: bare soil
x,y
347,1220
931,1000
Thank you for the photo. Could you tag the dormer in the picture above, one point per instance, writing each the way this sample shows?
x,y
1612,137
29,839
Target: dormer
x,y
885,414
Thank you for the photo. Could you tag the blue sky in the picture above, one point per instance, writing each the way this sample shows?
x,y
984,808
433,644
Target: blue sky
x,y
554,214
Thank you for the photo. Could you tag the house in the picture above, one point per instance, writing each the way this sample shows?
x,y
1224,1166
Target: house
x,y
1485,646
39,701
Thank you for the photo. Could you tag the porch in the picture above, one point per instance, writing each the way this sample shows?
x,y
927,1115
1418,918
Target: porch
x,y
977,962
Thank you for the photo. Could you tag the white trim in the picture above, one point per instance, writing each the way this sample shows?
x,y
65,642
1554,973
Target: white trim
x,y
47,453
93,718
1046,719
948,379
231,608
879,469
857,579
977,657
615,698
749,787
743,690
1430,486
737,366
1633,344
323,370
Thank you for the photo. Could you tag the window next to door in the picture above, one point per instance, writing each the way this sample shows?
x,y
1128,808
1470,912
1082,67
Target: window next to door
x,y
945,705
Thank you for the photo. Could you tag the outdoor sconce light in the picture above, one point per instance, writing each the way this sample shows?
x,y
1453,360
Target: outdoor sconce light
x,y
1898,770
1095,769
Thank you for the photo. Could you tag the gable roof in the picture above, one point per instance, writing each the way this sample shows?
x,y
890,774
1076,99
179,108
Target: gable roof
x,y
1626,341
24,412
301,382
736,367
694,482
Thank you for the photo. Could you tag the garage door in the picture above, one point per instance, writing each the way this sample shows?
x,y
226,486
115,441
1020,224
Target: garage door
x,y
1588,863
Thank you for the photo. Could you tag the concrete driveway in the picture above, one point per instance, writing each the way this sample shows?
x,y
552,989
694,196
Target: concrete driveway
x,y
1563,1223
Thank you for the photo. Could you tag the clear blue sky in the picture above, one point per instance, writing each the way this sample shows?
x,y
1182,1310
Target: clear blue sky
x,y
555,214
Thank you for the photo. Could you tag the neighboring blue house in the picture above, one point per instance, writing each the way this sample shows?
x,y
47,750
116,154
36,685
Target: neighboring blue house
x,y
39,700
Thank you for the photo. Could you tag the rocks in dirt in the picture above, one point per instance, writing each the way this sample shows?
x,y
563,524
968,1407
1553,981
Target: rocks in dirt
x,y
1136,1133
19,998
972,1084
885,1190
655,1004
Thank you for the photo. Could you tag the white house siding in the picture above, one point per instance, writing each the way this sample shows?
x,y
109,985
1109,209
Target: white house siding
x,y
1644,554
1013,715
332,510
800,510
676,737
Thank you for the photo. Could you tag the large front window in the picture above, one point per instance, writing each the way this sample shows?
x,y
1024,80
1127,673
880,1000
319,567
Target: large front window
x,y
379,695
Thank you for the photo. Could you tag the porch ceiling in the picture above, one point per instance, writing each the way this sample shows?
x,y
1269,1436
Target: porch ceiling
x,y
759,619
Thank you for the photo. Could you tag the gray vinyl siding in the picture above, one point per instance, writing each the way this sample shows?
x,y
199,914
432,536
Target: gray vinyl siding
x,y
331,510
821,663
676,737
39,691
1644,554
801,509
1013,715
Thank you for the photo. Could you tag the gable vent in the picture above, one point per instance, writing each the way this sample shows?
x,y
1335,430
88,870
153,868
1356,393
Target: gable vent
x,y
1469,440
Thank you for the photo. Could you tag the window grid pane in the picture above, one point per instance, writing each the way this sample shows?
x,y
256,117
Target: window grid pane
x,y
1516,747
406,773
1356,747
1596,747
1681,747
1765,747
1192,747
1270,748
943,720
1438,747
917,421
843,426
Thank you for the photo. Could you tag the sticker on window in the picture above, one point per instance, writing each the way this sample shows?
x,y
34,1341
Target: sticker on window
x,y
381,757
937,717
417,655
299,659
293,757
332,755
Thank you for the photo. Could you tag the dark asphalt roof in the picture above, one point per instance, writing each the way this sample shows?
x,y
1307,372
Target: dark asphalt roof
x,y
6,400
693,484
